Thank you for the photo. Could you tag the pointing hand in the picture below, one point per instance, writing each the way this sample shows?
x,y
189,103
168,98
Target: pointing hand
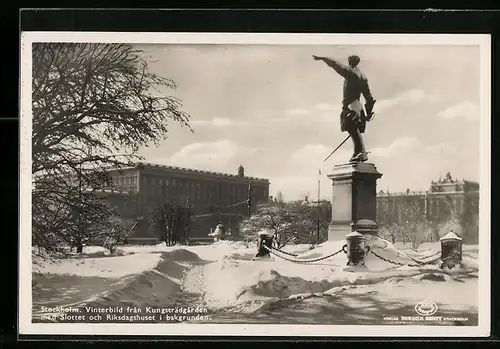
x,y
316,58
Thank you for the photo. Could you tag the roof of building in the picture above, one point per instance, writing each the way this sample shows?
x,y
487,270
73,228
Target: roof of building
x,y
449,180
403,193
190,170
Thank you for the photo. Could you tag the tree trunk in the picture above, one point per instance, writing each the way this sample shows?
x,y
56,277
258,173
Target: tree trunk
x,y
79,248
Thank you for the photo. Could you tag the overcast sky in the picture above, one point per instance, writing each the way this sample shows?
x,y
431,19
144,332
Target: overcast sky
x,y
275,110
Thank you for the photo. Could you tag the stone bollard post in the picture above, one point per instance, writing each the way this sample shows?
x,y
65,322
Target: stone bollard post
x,y
451,250
265,240
355,249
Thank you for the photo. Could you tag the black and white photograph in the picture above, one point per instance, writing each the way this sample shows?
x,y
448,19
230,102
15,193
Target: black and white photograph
x,y
255,184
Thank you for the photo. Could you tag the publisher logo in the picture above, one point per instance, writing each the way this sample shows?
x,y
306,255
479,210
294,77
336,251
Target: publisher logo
x,y
426,308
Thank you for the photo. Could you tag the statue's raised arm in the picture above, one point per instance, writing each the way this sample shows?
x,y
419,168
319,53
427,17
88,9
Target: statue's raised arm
x,y
343,70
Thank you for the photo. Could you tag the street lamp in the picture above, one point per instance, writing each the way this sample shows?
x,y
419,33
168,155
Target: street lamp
x,y
249,199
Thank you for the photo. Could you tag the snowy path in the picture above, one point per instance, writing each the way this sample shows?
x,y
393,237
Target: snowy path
x,y
197,290
193,288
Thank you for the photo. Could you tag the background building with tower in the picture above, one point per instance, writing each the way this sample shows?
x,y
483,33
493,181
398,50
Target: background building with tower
x,y
212,196
445,199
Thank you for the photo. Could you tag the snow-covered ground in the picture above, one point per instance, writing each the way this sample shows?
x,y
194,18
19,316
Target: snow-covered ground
x,y
224,279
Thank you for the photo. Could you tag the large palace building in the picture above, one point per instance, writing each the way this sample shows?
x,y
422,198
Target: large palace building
x,y
213,197
447,193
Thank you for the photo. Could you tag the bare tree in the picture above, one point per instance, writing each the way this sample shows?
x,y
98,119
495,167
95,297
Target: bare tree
x,y
469,219
94,106
172,222
117,233
279,197
405,223
389,226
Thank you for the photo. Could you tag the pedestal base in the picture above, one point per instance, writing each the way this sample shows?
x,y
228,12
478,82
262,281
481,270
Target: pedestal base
x,y
338,231
354,198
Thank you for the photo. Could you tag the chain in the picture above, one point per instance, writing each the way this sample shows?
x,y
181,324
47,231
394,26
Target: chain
x,y
271,250
410,265
427,262
392,262
419,263
287,253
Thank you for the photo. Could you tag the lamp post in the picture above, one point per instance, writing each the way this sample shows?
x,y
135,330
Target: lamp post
x,y
188,222
249,199
319,186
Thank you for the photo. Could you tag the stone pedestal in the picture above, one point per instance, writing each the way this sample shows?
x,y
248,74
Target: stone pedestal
x,y
354,197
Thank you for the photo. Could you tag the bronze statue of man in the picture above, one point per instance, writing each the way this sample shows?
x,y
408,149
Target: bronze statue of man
x,y
353,116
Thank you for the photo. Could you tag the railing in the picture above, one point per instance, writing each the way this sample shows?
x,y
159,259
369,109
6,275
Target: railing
x,y
404,193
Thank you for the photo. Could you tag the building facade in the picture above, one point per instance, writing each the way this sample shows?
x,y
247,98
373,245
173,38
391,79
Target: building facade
x,y
213,197
445,197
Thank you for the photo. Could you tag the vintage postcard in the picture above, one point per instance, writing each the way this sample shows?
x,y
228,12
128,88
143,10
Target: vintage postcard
x,y
255,184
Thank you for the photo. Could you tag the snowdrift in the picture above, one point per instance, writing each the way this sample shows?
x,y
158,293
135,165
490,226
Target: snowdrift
x,y
157,285
223,278
235,279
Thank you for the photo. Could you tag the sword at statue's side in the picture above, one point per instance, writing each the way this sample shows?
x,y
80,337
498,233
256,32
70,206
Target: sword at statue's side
x,y
334,150
370,115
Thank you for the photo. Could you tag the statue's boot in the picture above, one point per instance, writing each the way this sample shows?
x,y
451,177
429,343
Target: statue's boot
x,y
360,157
